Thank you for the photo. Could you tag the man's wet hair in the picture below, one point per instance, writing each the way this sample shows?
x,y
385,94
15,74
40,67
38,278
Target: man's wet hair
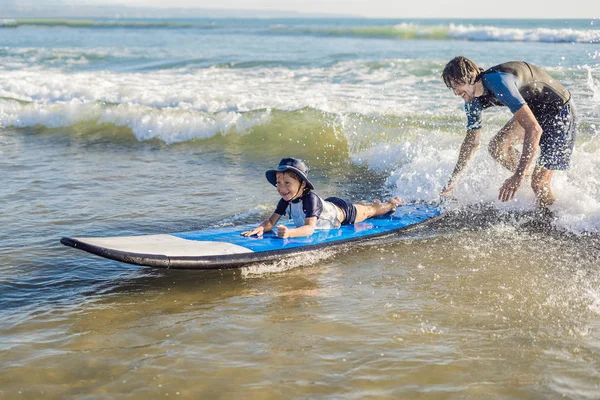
x,y
461,70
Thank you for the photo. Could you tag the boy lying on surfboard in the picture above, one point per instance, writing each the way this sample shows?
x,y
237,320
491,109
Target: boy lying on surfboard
x,y
307,209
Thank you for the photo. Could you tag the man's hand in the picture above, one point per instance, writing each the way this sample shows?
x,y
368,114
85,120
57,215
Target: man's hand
x,y
446,191
510,187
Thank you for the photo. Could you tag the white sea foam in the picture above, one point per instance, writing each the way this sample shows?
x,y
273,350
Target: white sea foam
x,y
173,126
288,263
493,33
51,115
427,164
593,85
161,104
595,302
393,87
8,22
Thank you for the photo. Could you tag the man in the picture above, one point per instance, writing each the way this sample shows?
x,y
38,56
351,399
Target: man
x,y
543,118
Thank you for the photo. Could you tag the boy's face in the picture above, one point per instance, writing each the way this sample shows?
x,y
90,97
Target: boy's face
x,y
288,186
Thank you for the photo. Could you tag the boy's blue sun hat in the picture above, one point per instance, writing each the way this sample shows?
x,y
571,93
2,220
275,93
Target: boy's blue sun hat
x,y
289,164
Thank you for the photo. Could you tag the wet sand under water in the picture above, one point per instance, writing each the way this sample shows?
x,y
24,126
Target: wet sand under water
x,y
468,307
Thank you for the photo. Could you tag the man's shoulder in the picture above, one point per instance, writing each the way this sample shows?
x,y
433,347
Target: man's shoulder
x,y
506,66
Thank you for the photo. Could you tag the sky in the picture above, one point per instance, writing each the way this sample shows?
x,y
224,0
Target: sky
x,y
563,9
396,8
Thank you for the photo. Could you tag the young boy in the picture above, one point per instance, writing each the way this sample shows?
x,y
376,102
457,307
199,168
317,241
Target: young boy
x,y
307,209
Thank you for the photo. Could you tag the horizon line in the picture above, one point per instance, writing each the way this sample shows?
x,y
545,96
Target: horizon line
x,y
99,11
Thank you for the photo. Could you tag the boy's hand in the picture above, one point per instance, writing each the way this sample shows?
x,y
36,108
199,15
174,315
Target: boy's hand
x,y
283,231
258,231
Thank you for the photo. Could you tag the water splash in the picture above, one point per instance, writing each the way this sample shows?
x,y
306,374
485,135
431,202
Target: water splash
x,y
286,264
593,84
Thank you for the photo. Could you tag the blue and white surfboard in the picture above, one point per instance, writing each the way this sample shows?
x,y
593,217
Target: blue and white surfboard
x,y
226,248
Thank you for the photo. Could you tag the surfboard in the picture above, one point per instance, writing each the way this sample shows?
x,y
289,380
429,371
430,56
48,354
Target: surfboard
x,y
224,247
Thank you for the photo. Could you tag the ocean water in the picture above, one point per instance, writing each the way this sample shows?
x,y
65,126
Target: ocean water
x,y
123,127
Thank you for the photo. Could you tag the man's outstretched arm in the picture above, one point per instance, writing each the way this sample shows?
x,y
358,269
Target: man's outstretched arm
x,y
468,149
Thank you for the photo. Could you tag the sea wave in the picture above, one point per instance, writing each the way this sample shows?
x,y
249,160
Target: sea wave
x,y
547,35
8,23
121,59
410,31
313,129
105,23
347,87
401,31
145,123
186,104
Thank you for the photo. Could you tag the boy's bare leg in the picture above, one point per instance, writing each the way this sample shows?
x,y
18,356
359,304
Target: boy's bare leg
x,y
364,211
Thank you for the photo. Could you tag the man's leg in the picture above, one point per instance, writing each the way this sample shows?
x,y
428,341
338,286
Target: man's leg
x,y
502,146
540,183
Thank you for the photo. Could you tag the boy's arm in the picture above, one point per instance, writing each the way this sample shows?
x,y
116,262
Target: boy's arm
x,y
306,230
265,226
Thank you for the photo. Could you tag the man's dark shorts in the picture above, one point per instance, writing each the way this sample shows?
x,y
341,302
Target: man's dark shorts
x,y
558,138
347,208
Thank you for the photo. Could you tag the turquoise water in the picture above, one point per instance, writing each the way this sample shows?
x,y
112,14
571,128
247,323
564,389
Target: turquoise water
x,y
113,127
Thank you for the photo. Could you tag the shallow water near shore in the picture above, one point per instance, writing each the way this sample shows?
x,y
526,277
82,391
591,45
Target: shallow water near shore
x,y
101,135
